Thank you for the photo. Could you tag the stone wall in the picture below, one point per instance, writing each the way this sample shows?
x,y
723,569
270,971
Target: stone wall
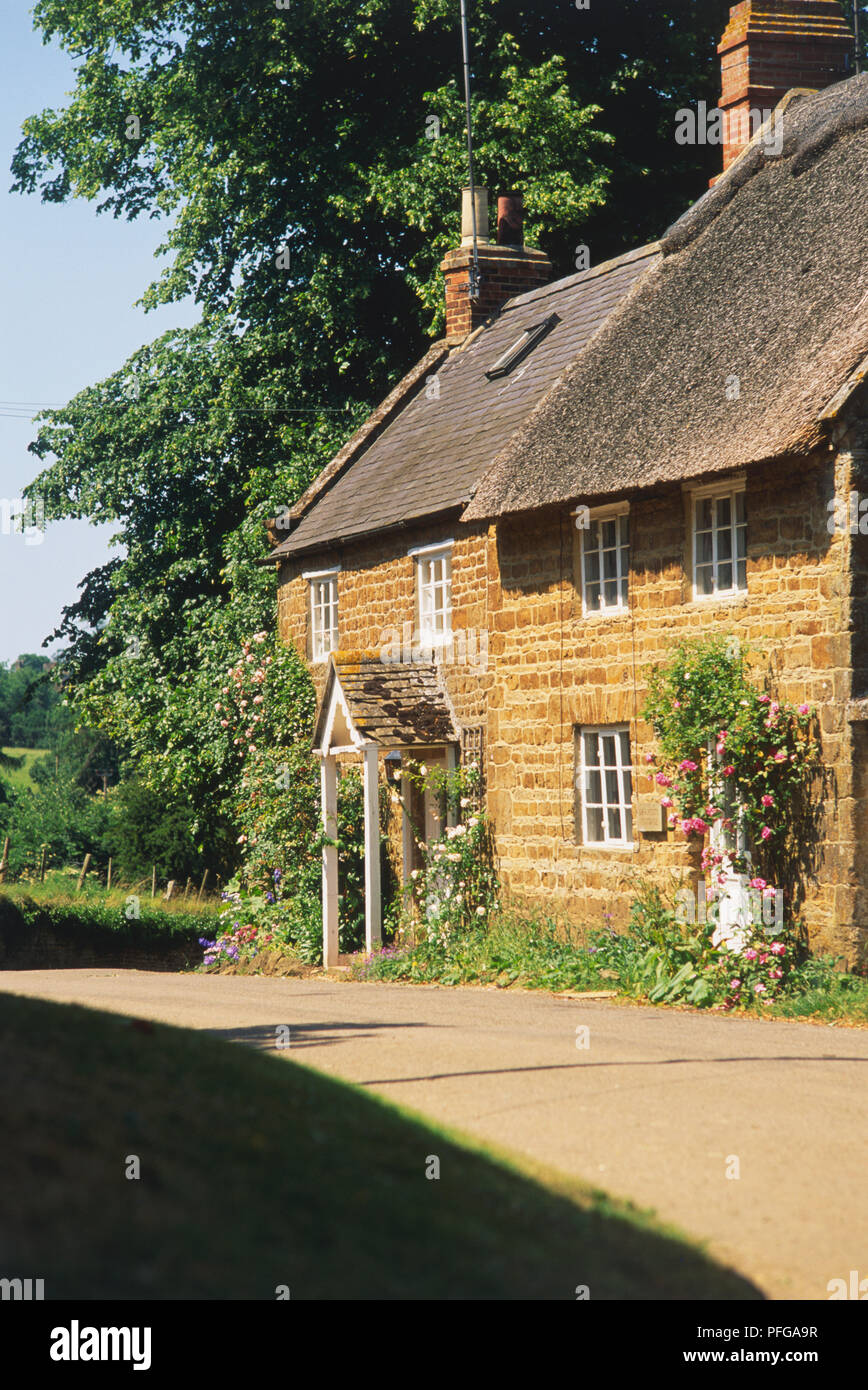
x,y
551,670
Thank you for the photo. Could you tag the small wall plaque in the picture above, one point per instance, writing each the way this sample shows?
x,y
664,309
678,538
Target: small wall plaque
x,y
650,817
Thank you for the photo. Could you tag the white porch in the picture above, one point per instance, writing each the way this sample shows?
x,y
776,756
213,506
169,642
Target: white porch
x,y
371,708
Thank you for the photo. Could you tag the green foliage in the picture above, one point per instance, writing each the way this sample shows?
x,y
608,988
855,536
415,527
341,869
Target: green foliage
x,y
732,754
29,703
457,888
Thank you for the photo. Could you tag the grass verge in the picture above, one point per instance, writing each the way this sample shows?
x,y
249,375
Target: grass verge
x,y
257,1172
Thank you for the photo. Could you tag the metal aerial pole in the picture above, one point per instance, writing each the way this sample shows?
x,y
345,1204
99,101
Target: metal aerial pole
x,y
465,45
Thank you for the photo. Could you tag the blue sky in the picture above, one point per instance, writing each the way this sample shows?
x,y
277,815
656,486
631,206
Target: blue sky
x,y
68,283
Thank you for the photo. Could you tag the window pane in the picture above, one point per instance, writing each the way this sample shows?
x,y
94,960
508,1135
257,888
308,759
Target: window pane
x,y
614,822
724,544
742,574
724,511
610,590
704,580
739,508
592,596
741,542
612,788
610,537
610,564
593,788
594,817
607,743
628,823
592,748
724,577
704,548
704,514
625,530
592,566
624,740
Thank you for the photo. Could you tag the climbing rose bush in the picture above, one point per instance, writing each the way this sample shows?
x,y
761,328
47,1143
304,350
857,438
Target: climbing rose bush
x,y
731,754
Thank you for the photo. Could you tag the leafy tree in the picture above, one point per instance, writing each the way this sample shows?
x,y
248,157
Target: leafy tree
x,y
307,211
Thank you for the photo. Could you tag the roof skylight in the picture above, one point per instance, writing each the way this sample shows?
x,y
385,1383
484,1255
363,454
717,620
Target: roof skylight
x,y
521,347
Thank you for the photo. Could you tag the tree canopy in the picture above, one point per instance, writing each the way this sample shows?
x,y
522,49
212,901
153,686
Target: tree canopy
x,y
305,162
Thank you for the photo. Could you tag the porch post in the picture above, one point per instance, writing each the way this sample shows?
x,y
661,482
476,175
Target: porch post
x,y
451,765
373,913
329,799
407,842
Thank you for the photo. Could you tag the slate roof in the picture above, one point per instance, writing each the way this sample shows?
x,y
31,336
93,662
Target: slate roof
x,y
394,704
432,453
765,280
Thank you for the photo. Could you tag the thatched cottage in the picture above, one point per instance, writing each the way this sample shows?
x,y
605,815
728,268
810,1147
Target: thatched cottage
x,y
704,399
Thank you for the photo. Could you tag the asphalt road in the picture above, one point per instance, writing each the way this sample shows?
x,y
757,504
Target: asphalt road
x,y
658,1107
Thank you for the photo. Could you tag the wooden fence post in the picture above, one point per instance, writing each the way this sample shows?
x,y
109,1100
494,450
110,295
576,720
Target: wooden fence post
x,y
84,869
202,886
154,881
42,863
108,877
5,860
170,888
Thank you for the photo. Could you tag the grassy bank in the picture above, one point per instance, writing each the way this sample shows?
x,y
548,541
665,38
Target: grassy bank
x,y
256,1172
540,953
41,928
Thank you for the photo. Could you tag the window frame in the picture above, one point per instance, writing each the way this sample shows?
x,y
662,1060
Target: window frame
x,y
320,650
731,490
625,803
422,556
616,512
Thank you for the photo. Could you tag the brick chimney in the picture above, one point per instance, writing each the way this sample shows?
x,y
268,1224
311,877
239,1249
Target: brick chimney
x,y
771,46
506,267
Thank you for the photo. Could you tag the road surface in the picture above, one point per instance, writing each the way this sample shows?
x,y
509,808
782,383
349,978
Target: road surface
x,y
750,1135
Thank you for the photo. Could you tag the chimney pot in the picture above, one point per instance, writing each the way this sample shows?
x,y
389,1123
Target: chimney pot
x,y
481,200
510,219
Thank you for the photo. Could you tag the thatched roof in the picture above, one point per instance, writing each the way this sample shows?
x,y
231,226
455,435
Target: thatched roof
x,y
423,452
765,280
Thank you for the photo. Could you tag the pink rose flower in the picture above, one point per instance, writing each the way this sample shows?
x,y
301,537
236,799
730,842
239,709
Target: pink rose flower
x,y
776,974
757,883
750,954
765,833
687,765
759,989
764,960
804,709
768,800
666,801
764,699
728,770
649,757
662,780
778,948
780,756
735,984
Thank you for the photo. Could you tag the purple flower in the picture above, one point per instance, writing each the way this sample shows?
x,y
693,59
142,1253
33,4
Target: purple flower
x,y
269,897
277,875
